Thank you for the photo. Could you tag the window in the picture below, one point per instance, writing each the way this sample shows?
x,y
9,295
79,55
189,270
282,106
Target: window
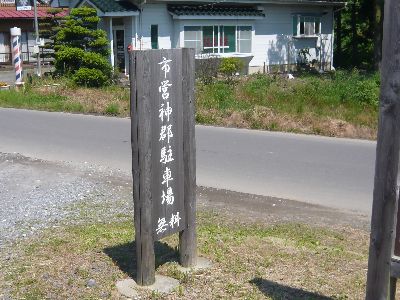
x,y
244,39
218,39
306,25
154,36
192,37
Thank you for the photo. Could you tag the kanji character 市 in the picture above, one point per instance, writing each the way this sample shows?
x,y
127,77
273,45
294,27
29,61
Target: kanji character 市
x,y
161,225
166,132
174,220
167,111
168,197
166,155
163,88
165,66
167,177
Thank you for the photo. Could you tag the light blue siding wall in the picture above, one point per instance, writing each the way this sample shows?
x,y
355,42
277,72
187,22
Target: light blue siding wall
x,y
157,14
273,41
272,36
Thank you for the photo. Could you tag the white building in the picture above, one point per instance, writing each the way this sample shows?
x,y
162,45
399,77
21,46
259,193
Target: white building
x,y
270,33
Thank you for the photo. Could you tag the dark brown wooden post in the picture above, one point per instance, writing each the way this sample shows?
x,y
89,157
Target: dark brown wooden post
x,y
387,159
393,282
187,237
141,167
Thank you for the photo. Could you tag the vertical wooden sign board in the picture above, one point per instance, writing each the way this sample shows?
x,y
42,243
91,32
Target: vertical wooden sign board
x,y
163,154
395,263
385,194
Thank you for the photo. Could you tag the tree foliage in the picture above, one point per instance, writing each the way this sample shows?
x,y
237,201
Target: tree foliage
x,y
82,49
49,27
359,34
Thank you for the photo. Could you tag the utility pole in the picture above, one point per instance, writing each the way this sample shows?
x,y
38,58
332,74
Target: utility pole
x,y
39,68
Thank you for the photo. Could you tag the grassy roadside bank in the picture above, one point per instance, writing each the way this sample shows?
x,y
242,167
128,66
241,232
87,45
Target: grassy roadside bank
x,y
251,261
341,104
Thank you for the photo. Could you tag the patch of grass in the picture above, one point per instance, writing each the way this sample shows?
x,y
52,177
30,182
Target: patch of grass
x,y
251,261
337,104
20,99
342,104
112,109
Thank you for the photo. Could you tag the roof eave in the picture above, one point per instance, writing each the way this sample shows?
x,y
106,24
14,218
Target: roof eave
x,y
281,2
120,14
211,17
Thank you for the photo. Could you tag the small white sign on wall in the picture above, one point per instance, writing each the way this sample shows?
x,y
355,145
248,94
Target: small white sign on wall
x,y
23,5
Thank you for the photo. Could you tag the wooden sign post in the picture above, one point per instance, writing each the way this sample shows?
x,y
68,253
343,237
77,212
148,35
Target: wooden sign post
x,y
163,154
385,195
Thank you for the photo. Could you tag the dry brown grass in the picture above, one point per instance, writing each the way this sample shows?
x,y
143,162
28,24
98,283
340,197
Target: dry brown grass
x,y
266,118
250,261
90,100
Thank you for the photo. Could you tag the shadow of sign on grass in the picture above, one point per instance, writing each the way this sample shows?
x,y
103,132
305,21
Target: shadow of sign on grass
x,y
278,291
124,256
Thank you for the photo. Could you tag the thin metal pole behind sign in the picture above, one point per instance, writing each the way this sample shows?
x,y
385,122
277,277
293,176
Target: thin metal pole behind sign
x,y
39,68
385,194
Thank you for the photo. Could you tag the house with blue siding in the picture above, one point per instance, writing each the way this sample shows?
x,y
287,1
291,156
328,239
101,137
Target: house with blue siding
x,y
269,34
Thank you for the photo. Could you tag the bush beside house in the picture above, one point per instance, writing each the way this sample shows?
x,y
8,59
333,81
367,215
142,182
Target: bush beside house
x,y
82,49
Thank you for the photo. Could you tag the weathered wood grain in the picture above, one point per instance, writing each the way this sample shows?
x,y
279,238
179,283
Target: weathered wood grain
x,y
385,194
174,78
141,116
187,238
147,101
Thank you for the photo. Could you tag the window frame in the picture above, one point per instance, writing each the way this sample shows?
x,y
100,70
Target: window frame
x,y
299,17
218,49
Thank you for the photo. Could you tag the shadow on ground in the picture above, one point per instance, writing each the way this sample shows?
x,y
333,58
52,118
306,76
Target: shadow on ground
x,y
124,256
278,291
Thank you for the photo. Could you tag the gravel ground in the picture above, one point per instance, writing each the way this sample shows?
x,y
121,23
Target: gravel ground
x,y
35,195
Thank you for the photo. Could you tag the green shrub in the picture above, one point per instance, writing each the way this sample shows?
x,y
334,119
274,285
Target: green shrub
x,y
68,60
92,60
366,92
90,77
230,66
82,49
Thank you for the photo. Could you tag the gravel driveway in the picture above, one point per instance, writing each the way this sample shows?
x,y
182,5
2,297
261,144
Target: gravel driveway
x,y
35,195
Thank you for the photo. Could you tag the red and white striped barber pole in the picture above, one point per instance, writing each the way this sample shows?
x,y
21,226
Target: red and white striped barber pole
x,y
16,52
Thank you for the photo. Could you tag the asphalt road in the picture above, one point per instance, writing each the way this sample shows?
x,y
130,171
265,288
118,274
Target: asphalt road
x,y
328,171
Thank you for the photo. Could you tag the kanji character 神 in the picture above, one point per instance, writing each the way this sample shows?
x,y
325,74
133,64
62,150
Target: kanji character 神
x,y
165,112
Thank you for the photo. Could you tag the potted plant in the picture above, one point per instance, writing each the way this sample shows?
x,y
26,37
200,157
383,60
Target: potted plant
x,y
4,86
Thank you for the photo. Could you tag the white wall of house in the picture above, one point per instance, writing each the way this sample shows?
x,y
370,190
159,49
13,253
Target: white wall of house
x,y
156,14
273,41
5,49
272,37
